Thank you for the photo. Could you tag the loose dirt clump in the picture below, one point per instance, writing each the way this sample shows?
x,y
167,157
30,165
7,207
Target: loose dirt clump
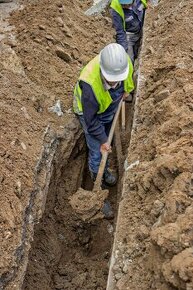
x,y
88,204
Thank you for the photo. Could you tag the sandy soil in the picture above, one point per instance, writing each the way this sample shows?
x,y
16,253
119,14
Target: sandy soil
x,y
68,253
154,239
41,57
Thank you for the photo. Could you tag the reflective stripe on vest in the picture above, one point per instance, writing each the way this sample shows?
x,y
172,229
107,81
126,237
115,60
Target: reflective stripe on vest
x,y
92,76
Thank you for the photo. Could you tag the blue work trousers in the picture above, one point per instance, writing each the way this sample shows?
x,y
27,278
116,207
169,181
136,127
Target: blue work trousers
x,y
93,144
134,41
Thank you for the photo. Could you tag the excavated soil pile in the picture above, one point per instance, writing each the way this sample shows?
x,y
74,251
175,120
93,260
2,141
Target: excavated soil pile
x,y
154,246
41,56
54,39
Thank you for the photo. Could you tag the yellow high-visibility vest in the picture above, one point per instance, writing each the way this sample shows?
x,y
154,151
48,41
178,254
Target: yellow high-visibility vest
x,y
91,75
118,8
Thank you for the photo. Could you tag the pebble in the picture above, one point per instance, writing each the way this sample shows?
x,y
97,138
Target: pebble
x,y
23,146
118,276
188,88
61,9
157,207
18,189
110,228
42,27
125,268
7,235
75,54
143,232
49,37
11,42
66,31
63,55
162,95
60,21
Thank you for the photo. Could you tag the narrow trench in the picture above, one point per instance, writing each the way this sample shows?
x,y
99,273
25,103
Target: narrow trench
x,y
66,252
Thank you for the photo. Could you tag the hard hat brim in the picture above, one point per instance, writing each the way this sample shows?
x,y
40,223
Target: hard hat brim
x,y
115,78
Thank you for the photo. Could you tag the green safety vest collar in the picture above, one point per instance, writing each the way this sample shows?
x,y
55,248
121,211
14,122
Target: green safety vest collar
x,y
91,75
115,5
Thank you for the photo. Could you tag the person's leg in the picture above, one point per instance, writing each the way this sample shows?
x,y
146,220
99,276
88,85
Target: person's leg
x,y
133,45
137,44
94,155
94,162
130,49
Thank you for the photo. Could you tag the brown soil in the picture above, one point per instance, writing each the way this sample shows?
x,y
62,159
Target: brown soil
x,y
42,154
88,204
154,245
68,253
40,60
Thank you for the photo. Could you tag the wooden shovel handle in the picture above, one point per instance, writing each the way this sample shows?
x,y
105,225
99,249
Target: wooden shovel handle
x,y
97,184
123,116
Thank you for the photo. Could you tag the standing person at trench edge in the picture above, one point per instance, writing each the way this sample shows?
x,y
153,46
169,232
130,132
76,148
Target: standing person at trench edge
x,y
103,82
128,18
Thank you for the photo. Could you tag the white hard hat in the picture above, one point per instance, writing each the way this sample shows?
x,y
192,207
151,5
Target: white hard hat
x,y
114,63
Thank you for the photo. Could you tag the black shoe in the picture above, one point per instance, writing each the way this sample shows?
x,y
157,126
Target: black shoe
x,y
107,210
109,179
93,176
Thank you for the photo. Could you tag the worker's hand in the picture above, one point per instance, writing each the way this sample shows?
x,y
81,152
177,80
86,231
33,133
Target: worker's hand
x,y
105,147
127,97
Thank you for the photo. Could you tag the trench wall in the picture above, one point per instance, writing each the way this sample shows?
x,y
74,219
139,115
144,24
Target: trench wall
x,y
153,246
153,240
43,46
56,146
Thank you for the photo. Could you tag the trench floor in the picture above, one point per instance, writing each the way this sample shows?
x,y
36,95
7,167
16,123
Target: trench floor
x,y
68,253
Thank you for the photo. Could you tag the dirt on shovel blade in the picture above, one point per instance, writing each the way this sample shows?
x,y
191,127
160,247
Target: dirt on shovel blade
x,y
88,204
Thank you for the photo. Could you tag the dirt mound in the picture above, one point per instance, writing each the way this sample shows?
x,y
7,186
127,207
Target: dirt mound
x,y
39,63
41,56
55,39
154,240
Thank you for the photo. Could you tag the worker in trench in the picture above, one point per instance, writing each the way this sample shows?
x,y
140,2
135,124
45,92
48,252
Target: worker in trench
x,y
128,17
102,83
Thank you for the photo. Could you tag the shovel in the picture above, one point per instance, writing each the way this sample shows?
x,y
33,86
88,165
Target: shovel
x,y
88,203
97,184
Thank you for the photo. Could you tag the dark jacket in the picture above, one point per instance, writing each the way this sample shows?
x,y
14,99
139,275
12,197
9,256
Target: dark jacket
x,y
133,22
95,122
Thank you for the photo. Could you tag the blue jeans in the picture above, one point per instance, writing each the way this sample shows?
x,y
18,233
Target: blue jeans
x,y
93,144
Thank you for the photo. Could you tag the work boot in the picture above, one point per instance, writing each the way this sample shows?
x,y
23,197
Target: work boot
x,y
93,176
109,179
107,210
